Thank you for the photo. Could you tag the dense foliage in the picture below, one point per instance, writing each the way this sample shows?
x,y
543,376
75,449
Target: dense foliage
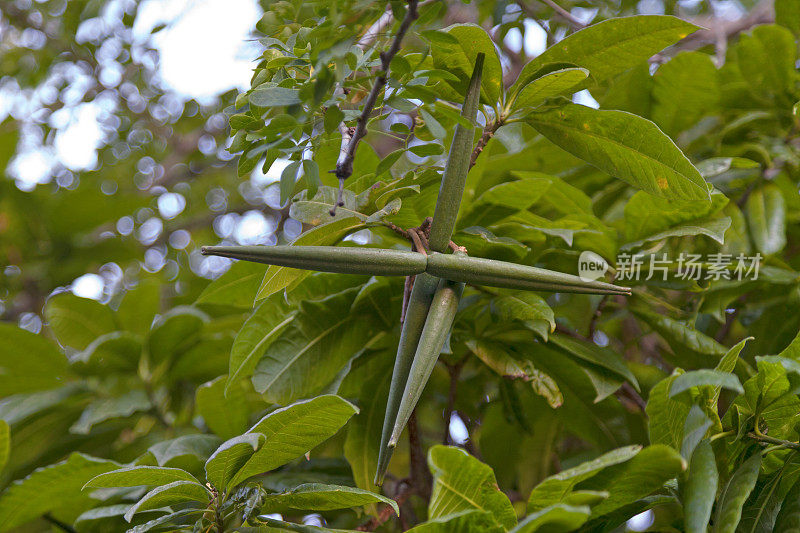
x,y
255,402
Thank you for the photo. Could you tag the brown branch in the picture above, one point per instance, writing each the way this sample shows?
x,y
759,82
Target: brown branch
x,y
488,133
454,371
344,166
560,11
421,478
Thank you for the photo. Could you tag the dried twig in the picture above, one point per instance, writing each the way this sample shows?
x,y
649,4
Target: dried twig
x,y
351,138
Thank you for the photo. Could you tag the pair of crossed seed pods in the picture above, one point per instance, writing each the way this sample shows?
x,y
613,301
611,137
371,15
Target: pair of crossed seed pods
x,y
439,279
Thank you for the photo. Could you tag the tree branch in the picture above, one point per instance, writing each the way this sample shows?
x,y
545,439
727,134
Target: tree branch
x,y
351,138
560,11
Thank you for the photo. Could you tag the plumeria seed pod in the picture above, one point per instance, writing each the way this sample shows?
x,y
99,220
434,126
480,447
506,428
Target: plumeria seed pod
x,y
416,313
437,328
478,271
340,260
455,172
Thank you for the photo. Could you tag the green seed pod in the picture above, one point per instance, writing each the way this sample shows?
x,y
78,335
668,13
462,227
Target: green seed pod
x,y
493,273
435,333
455,172
416,313
341,260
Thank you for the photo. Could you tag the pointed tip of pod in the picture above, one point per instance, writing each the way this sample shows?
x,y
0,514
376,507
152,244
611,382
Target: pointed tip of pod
x,y
383,464
205,250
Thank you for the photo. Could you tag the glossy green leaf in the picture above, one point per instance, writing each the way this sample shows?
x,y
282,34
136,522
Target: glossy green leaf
x,y
701,488
134,476
320,497
231,456
43,367
5,443
197,447
226,415
697,378
170,494
693,76
735,493
77,321
551,84
459,58
471,521
310,351
610,47
52,487
365,430
508,367
295,430
626,146
555,488
554,518
103,409
789,517
278,278
766,219
256,335
139,306
237,287
461,483
274,97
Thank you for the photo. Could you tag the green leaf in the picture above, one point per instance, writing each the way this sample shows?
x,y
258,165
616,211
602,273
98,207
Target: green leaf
x,y
49,488
103,409
735,493
505,366
701,488
626,146
649,217
459,58
274,97
278,278
288,177
666,416
311,173
766,58
697,378
191,446
556,488
295,430
695,428
256,335
471,521
43,367
170,494
139,306
555,518
169,518
174,332
365,430
691,348
76,321
766,219
551,84
307,355
231,456
635,479
789,516
591,353
119,351
5,443
525,307
461,483
226,415
787,14
320,497
237,287
610,47
684,89
134,476
271,525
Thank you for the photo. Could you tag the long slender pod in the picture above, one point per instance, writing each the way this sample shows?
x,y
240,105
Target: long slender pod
x,y
340,260
437,328
417,312
454,177
478,271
